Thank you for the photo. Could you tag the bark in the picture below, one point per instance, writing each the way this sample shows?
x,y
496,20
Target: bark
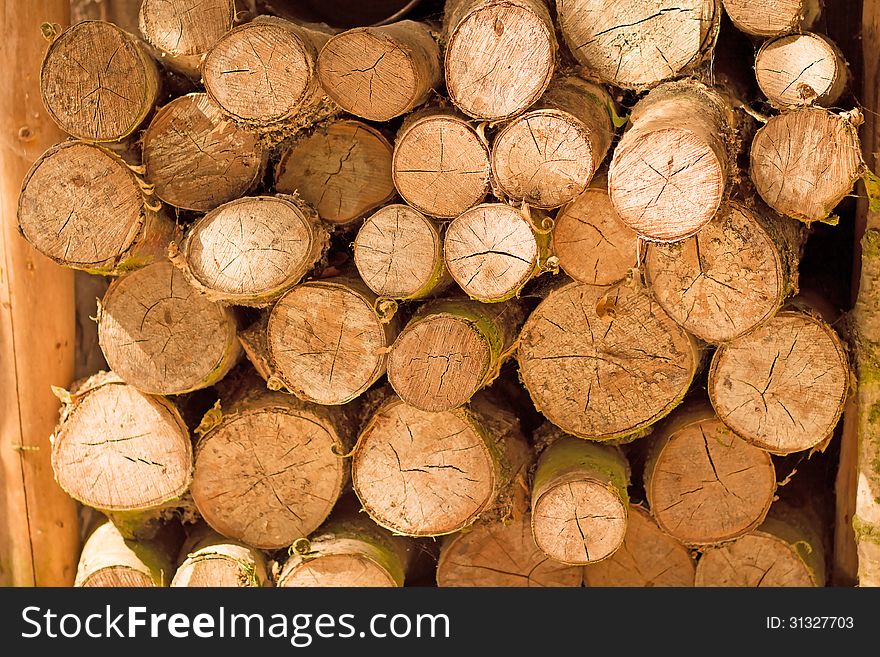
x,y
110,560
195,159
782,387
547,156
428,474
325,341
591,242
283,96
670,171
478,36
441,163
608,38
730,277
786,550
162,336
579,500
765,18
214,561
804,162
268,467
450,349
405,69
343,169
604,363
182,31
251,250
704,484
98,82
648,557
398,252
493,250
85,207
122,452
801,69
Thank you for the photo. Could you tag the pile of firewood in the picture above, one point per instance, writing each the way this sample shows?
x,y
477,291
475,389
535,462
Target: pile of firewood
x,y
364,259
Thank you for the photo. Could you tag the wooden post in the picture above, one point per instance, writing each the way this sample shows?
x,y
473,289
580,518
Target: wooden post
x,y
39,535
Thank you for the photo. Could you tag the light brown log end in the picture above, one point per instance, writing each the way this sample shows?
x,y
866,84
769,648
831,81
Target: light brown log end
x,y
801,69
219,562
109,560
766,18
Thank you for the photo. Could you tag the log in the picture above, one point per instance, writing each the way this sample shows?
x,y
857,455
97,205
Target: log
x,y
590,240
608,38
782,387
604,363
404,73
182,31
579,500
98,82
263,75
801,69
501,553
83,206
348,550
731,276
215,561
804,162
499,55
704,484
547,156
251,250
326,344
110,560
669,172
441,164
268,467
122,451
493,250
450,349
766,19
398,253
342,169
39,536
163,337
648,558
786,550
428,474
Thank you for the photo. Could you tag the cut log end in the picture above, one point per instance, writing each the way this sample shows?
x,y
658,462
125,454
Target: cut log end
x,y
183,30
592,243
343,170
782,387
269,508
423,474
161,335
121,450
398,253
196,159
441,166
804,162
765,18
609,38
97,82
500,56
326,343
491,251
705,485
604,362
647,558
801,69
220,563
405,68
338,570
252,249
501,554
108,560
727,279
117,576
82,206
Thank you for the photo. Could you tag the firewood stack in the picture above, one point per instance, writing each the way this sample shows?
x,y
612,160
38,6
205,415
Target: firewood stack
x,y
518,276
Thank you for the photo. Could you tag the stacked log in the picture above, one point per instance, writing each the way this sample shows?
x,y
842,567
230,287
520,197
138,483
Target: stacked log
x,y
419,275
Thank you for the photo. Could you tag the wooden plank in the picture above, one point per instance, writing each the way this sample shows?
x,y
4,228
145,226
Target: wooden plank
x,y
39,536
